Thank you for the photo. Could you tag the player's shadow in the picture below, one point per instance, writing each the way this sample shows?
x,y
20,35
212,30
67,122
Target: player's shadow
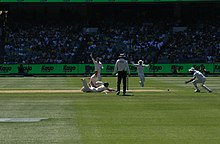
x,y
126,95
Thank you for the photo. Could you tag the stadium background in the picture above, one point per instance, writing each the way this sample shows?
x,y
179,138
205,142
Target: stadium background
x,y
48,38
62,34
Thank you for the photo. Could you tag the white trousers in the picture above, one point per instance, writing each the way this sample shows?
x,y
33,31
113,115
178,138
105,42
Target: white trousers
x,y
142,79
196,81
85,87
99,76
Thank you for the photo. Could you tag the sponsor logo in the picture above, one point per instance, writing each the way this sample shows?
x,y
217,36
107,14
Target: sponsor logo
x,y
5,69
68,68
197,67
176,69
47,68
27,68
155,68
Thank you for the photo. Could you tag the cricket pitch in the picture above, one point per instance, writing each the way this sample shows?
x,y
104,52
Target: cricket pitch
x,y
67,91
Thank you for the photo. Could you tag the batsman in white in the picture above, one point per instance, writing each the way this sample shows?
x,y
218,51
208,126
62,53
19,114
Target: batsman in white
x,y
140,68
98,66
93,80
198,77
103,88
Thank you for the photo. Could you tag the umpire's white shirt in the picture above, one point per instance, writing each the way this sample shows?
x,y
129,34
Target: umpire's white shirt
x,y
121,65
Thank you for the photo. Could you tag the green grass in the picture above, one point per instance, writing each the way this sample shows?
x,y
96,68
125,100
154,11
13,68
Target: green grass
x,y
177,116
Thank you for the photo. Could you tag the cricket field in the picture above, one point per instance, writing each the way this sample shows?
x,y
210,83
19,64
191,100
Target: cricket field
x,y
53,110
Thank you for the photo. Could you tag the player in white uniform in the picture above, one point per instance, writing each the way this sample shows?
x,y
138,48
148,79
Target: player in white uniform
x,y
140,68
98,66
198,77
93,80
102,88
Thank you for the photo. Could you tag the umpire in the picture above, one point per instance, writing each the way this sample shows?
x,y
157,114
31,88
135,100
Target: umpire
x,y
121,67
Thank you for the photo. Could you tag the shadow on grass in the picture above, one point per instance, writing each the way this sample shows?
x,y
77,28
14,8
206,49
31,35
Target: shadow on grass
x,y
127,95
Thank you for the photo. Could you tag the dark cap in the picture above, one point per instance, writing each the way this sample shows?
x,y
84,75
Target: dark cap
x,y
106,84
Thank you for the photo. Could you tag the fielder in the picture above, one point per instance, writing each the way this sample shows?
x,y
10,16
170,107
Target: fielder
x,y
102,88
98,66
140,68
198,77
93,80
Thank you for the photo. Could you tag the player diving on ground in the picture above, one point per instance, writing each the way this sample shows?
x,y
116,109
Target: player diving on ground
x,y
102,88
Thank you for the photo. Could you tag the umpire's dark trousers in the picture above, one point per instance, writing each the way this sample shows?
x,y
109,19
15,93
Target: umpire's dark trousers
x,y
122,75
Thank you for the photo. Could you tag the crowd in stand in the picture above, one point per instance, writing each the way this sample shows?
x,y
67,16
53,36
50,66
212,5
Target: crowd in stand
x,y
200,43
153,41
148,41
41,44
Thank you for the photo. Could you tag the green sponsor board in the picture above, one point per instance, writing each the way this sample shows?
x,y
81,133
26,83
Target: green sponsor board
x,y
41,69
184,68
54,69
157,68
49,69
153,68
86,68
216,68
